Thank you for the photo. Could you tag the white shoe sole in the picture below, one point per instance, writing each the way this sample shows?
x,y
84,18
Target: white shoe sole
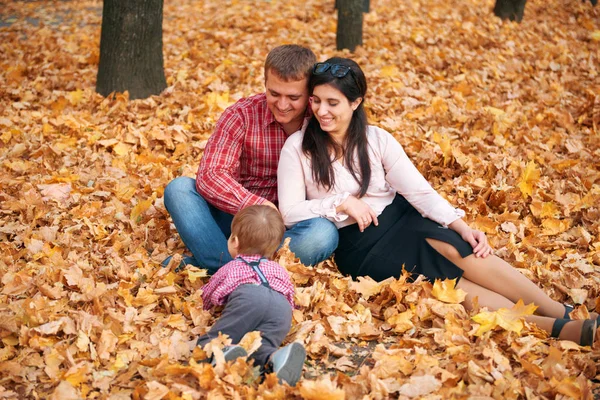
x,y
290,369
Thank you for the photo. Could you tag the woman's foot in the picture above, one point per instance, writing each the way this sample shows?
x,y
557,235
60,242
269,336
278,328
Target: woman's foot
x,y
580,331
569,309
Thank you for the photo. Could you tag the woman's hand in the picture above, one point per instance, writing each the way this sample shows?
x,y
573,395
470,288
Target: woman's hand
x,y
479,242
360,211
475,238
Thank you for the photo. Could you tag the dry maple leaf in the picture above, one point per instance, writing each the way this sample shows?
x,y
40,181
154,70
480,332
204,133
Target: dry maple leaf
x,y
446,291
508,319
322,389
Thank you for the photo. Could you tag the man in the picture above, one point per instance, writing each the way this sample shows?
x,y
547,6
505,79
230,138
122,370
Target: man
x,y
239,167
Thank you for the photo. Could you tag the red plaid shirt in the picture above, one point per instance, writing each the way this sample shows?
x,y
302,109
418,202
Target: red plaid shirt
x,y
237,272
239,165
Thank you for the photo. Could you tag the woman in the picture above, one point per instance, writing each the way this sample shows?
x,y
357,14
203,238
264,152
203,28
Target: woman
x,y
388,216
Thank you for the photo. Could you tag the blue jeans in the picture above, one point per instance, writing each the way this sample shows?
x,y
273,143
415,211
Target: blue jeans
x,y
204,229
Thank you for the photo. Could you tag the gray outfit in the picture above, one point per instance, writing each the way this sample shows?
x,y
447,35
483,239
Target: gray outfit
x,y
254,308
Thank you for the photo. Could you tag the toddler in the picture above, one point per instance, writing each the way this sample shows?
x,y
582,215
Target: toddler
x,y
258,294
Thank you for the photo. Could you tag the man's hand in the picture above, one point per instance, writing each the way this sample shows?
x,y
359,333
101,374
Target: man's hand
x,y
360,211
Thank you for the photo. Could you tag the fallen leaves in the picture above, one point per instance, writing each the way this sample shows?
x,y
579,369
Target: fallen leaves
x,y
503,119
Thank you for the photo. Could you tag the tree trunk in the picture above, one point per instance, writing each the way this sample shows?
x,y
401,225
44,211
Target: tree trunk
x,y
131,45
366,5
350,24
510,9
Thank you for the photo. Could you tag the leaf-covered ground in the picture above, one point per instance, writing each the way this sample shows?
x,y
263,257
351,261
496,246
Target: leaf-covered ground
x,y
503,119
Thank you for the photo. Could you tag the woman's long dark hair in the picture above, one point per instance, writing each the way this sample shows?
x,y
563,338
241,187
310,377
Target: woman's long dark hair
x,y
318,145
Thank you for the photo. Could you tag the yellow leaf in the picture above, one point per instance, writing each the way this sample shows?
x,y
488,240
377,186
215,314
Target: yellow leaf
x,y
446,291
323,389
366,286
529,177
554,226
217,101
139,209
550,209
251,341
496,112
124,338
76,375
76,96
125,192
568,386
444,142
402,322
144,297
195,273
510,320
121,149
438,105
389,71
121,362
486,224
53,359
595,36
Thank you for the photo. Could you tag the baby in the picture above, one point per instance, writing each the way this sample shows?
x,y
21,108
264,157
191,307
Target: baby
x,y
258,294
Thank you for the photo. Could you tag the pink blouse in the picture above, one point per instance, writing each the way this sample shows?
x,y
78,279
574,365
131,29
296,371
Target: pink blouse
x,y
300,198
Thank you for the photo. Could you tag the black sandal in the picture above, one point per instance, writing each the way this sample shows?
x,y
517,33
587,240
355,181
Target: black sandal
x,y
569,309
588,330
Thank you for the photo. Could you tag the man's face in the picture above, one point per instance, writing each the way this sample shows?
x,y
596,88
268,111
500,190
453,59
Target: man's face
x,y
286,100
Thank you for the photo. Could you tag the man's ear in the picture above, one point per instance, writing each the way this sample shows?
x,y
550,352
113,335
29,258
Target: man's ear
x,y
356,103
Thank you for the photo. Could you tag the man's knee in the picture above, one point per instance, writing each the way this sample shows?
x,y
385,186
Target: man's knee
x,y
179,185
313,240
323,234
178,189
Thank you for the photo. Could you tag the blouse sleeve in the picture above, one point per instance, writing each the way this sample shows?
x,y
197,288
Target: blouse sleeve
x,y
291,184
404,177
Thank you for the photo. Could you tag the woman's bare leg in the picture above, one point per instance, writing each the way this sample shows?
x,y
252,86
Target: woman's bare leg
x,y
497,275
492,300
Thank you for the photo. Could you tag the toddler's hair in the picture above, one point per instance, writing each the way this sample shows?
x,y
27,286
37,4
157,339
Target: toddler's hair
x,y
259,230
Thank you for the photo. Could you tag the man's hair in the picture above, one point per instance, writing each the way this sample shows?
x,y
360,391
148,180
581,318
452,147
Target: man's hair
x,y
259,230
290,62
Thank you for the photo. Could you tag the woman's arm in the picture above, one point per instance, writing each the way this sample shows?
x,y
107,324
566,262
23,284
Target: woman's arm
x,y
291,187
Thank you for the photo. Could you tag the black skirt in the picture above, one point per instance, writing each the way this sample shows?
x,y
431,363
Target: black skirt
x,y
400,240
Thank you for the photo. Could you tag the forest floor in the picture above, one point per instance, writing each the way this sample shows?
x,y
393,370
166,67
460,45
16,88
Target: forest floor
x,y
502,118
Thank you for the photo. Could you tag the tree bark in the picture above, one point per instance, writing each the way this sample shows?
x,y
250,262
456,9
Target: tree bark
x,y
131,46
510,9
366,5
350,24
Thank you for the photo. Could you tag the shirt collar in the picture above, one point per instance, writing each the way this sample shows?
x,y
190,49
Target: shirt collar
x,y
249,257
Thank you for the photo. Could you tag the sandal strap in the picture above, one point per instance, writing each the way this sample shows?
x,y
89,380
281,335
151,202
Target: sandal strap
x,y
588,331
568,310
557,326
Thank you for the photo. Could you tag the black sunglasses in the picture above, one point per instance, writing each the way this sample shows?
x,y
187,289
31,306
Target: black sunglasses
x,y
337,70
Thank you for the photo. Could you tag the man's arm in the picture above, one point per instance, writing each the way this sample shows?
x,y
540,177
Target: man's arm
x,y
219,170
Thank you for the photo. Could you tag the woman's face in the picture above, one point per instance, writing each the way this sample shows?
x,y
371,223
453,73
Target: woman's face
x,y
333,110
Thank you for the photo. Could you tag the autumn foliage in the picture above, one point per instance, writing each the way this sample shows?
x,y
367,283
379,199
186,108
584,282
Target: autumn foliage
x,y
502,118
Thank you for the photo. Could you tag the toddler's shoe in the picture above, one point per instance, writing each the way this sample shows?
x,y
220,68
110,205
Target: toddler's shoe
x,y
231,353
287,363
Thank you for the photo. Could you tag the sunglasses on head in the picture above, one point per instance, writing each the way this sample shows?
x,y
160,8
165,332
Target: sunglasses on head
x,y
337,70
